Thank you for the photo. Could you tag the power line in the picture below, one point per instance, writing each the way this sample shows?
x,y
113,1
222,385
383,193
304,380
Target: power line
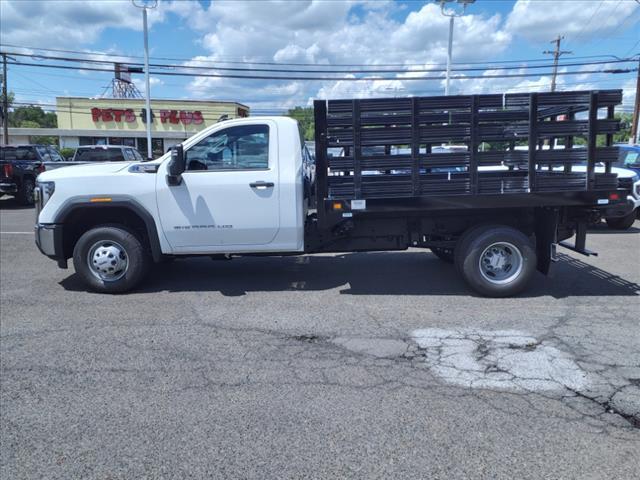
x,y
49,93
75,109
313,78
588,22
604,23
286,70
248,62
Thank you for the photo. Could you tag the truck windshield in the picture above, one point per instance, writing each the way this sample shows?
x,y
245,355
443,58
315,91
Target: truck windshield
x,y
628,159
99,155
18,153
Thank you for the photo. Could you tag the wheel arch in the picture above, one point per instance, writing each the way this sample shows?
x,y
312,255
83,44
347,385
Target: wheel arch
x,y
79,214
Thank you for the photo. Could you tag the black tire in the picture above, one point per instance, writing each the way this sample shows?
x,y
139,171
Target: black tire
x,y
472,247
135,253
621,223
25,194
445,254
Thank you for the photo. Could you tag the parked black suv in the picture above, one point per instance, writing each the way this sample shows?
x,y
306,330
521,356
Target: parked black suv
x,y
19,167
107,153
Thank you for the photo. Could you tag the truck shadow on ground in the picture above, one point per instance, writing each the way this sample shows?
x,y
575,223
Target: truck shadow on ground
x,y
602,228
378,273
13,204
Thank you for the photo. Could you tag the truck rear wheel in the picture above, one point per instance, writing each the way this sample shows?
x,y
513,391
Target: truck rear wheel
x,y
444,254
496,261
621,223
110,259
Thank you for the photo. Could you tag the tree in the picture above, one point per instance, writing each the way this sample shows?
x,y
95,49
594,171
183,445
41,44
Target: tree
x,y
625,128
32,117
304,116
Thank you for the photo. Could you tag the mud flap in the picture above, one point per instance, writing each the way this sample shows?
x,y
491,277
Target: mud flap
x,y
546,230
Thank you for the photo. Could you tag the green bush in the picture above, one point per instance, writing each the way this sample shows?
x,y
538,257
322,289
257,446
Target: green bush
x,y
67,152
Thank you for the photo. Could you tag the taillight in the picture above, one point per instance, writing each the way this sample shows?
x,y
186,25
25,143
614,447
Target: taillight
x,y
41,168
7,170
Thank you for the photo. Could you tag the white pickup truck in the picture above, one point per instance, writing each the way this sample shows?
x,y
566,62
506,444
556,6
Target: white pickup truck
x,y
245,187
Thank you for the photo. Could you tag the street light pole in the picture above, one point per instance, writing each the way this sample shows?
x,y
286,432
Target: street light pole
x,y
451,14
147,94
446,85
147,89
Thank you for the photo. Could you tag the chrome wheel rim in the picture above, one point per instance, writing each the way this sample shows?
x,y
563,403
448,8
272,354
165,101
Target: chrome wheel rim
x,y
501,263
108,260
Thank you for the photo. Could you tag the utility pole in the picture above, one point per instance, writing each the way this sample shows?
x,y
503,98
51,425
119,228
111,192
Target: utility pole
x,y
5,102
635,131
557,53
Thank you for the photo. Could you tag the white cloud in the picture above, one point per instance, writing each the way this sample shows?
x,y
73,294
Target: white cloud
x,y
153,82
629,93
576,20
371,33
319,32
64,23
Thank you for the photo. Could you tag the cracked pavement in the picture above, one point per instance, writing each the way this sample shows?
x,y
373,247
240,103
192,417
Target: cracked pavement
x,y
379,365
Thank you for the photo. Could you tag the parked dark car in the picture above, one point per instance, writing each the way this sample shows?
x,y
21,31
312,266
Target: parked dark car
x,y
19,167
107,153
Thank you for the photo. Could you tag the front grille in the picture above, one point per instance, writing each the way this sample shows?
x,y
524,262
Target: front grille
x,y
626,183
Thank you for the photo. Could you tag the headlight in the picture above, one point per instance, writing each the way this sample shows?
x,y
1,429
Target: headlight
x,y
45,190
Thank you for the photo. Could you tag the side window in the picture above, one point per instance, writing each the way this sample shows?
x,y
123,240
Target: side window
x,y
631,159
55,156
129,156
244,147
44,154
137,156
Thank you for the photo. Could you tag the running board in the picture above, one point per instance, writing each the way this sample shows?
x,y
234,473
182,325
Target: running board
x,y
583,251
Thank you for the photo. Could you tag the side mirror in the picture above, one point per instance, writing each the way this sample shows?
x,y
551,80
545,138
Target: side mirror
x,y
176,165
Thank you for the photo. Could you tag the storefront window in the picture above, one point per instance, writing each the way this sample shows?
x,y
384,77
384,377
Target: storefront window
x,y
156,147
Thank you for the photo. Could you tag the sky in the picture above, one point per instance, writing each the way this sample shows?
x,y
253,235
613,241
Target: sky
x,y
410,35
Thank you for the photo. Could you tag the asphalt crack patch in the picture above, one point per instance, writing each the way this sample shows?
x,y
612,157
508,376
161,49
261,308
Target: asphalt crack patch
x,y
498,360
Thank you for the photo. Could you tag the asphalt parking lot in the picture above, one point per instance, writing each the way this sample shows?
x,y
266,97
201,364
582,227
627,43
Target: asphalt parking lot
x,y
378,365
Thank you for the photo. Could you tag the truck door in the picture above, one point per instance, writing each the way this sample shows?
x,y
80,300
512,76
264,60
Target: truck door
x,y
229,195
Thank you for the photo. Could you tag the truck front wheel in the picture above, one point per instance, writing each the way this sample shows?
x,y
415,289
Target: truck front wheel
x,y
621,223
496,261
110,259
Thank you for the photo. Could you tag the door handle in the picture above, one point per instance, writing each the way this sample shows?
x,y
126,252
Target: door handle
x,y
261,184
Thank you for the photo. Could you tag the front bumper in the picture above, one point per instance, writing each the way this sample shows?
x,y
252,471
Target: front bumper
x,y
49,240
624,208
8,187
